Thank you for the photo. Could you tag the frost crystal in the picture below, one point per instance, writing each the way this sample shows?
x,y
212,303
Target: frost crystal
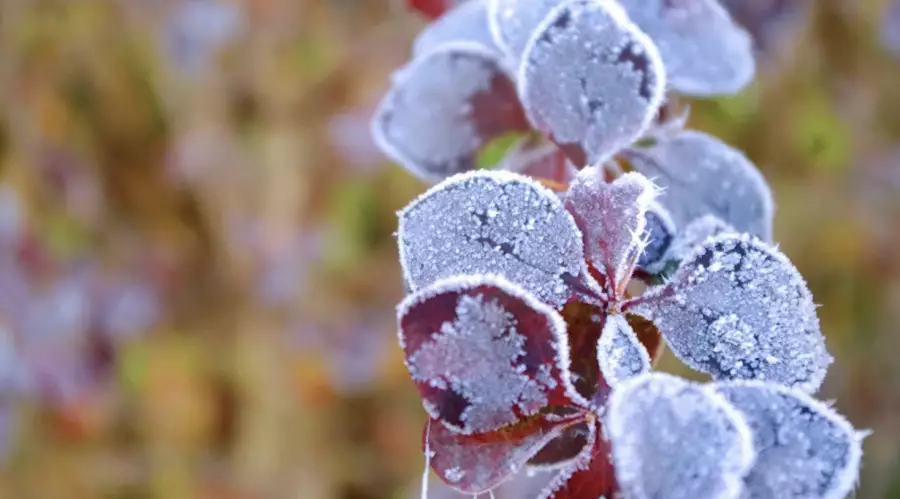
x,y
498,223
484,353
590,79
738,309
672,439
443,107
474,464
611,216
659,233
466,22
705,52
806,450
512,22
619,353
701,175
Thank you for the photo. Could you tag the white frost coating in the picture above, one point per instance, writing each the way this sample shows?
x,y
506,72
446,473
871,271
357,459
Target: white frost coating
x,y
580,463
611,216
658,236
672,439
589,77
512,22
701,175
481,355
619,352
429,122
806,449
466,22
705,52
473,468
738,309
498,223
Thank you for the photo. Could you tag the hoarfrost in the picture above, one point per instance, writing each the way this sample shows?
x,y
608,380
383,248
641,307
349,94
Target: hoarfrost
x,y
672,439
806,450
499,223
619,352
588,475
611,217
701,175
474,464
658,235
738,309
443,107
704,51
512,22
590,79
484,353
466,22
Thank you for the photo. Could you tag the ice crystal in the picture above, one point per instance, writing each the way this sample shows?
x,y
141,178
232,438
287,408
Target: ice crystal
x,y
619,353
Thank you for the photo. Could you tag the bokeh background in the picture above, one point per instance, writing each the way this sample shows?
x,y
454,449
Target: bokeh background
x,y
197,268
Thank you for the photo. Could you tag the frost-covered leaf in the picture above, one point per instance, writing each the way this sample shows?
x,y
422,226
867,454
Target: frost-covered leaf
x,y
545,162
705,52
477,463
738,309
564,448
659,233
672,439
611,217
466,22
805,449
499,223
443,107
585,323
590,475
694,235
590,79
484,353
701,175
433,8
513,22
768,21
619,353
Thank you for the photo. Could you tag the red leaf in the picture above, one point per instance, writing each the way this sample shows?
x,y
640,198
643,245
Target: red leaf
x,y
590,476
473,464
485,353
544,162
563,449
585,323
431,8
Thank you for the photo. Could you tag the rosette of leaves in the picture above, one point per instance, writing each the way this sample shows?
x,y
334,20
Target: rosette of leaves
x,y
528,350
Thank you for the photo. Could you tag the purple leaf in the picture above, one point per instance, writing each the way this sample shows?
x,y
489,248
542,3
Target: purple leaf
x,y
590,475
494,223
619,352
484,353
672,439
444,107
704,51
659,233
513,22
738,309
805,449
590,80
466,22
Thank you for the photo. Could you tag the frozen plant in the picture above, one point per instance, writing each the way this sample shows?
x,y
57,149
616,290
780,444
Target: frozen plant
x,y
527,344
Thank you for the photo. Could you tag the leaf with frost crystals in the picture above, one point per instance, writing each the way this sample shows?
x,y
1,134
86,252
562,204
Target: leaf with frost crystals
x,y
704,51
474,464
512,22
494,222
590,475
590,79
659,232
611,217
620,355
806,449
738,309
484,353
688,240
564,448
672,439
466,22
701,175
443,107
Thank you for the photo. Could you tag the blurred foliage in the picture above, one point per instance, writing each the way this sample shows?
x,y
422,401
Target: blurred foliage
x,y
214,166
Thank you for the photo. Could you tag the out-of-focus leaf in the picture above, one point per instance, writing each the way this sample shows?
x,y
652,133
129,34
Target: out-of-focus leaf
x,y
466,22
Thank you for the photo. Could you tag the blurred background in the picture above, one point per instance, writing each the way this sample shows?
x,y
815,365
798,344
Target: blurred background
x,y
197,268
